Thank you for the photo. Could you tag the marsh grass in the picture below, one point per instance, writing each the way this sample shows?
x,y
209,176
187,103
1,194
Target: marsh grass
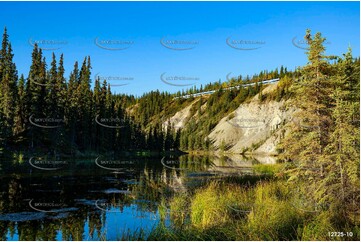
x,y
137,235
273,216
180,209
237,208
268,169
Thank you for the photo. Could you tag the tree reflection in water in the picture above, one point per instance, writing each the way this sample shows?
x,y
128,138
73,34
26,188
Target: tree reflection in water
x,y
83,201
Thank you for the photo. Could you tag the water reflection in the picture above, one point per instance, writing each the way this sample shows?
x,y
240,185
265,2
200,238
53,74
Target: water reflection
x,y
84,201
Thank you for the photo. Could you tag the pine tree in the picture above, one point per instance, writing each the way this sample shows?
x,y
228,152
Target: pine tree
x,y
51,91
309,132
8,90
341,183
61,99
71,110
61,88
20,107
97,104
323,141
312,98
36,93
84,101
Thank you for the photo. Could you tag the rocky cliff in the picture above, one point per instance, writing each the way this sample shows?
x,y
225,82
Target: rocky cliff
x,y
253,127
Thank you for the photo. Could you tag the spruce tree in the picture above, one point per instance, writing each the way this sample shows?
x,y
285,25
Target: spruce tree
x,y
341,183
323,139
36,92
84,98
71,110
8,90
20,107
308,134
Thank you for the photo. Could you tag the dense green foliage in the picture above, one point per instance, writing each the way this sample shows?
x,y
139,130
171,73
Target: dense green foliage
x,y
322,143
232,210
316,191
8,91
45,113
155,108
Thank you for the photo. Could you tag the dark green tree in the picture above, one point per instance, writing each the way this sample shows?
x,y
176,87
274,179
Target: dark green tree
x,y
8,90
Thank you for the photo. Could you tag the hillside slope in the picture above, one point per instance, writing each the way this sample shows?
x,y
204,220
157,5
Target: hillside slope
x,y
252,127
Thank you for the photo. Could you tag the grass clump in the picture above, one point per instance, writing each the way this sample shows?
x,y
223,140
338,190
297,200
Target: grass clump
x,y
264,210
273,217
207,209
268,169
179,209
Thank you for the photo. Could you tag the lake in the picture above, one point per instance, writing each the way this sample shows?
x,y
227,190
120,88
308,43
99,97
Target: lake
x,y
101,198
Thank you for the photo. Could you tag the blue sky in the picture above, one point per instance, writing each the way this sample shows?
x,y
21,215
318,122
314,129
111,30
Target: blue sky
x,y
74,28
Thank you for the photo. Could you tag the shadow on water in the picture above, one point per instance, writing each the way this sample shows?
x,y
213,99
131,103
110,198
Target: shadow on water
x,y
100,198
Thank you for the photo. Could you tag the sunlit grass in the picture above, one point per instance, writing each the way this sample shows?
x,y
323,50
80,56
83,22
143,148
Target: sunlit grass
x,y
273,217
268,169
227,210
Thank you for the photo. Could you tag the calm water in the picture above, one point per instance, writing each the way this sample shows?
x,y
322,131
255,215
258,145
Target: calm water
x,y
99,198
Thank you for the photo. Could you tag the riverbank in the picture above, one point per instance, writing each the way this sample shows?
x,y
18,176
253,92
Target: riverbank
x,y
262,208
21,155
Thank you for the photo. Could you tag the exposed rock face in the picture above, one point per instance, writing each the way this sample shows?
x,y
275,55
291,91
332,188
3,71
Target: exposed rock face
x,y
179,119
253,125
